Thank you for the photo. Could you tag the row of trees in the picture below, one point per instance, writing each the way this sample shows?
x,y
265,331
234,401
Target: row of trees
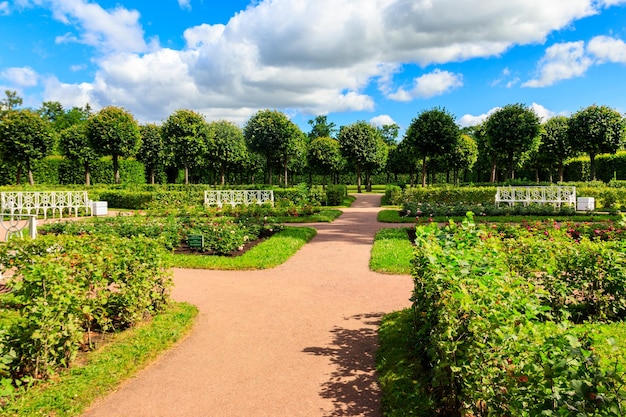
x,y
510,139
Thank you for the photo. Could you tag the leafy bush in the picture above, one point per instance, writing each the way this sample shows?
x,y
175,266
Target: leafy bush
x,y
393,194
335,194
68,285
484,330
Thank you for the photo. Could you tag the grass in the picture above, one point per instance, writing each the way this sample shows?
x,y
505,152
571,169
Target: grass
x,y
324,216
392,251
393,216
267,254
398,372
106,368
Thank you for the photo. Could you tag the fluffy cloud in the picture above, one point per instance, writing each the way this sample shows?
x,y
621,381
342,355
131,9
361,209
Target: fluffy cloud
x,y
184,4
312,57
382,120
22,77
429,85
607,49
471,120
4,8
561,62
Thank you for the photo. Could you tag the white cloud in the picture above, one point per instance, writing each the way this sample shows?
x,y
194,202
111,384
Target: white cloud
x,y
22,77
4,8
607,49
471,120
382,120
429,85
543,113
561,61
311,56
184,4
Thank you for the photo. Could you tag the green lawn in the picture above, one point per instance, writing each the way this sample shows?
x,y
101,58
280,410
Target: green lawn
x,y
392,251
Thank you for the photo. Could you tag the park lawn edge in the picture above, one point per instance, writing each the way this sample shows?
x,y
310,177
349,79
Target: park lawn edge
x,y
267,254
106,368
391,252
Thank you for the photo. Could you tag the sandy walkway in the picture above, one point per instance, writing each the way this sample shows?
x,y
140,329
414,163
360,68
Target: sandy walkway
x,y
296,340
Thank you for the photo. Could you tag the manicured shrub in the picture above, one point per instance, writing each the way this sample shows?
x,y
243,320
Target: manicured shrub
x,y
393,194
335,194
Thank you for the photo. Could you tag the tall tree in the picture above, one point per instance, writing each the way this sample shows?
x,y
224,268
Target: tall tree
x,y
555,145
272,134
463,156
76,146
359,143
324,156
11,101
433,134
321,128
390,133
511,131
24,138
229,148
114,131
596,130
152,150
187,139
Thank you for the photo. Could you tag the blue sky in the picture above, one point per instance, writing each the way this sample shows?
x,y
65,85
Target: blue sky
x,y
378,60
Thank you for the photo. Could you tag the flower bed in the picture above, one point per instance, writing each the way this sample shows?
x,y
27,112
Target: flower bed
x,y
494,320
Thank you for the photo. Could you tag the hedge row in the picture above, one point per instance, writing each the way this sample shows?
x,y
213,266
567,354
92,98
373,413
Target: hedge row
x,y
491,332
65,287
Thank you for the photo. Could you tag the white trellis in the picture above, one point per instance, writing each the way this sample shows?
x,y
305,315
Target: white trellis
x,y
44,202
14,225
236,197
556,195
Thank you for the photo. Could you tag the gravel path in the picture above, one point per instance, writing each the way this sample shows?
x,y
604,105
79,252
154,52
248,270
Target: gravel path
x,y
295,340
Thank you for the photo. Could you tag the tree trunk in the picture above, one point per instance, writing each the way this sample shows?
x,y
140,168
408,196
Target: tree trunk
x,y
186,175
222,174
494,169
88,174
592,166
537,175
510,174
31,180
424,172
368,181
561,171
116,169
358,179
18,175
286,163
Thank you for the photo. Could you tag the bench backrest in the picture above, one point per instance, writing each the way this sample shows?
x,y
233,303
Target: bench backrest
x,y
235,197
536,194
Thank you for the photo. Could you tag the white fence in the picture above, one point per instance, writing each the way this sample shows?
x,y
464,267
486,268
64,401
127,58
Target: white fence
x,y
14,225
236,197
542,195
44,202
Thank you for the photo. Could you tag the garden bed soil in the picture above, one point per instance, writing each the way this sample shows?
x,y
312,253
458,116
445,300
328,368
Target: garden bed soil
x,y
184,248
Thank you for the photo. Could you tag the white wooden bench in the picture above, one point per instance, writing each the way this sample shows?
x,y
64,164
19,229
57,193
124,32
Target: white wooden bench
x,y
236,197
556,195
42,202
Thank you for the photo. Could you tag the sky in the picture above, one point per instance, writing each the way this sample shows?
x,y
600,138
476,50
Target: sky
x,y
383,61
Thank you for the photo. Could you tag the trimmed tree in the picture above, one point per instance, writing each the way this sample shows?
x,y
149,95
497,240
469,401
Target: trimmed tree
x,y
359,144
229,149
187,139
24,138
512,131
596,130
75,145
273,135
555,145
433,134
324,156
114,131
152,150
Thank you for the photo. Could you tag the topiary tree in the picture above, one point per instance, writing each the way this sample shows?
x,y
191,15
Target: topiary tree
x,y
512,131
273,135
114,131
229,149
187,139
555,145
152,150
324,156
24,138
433,134
360,145
75,146
596,130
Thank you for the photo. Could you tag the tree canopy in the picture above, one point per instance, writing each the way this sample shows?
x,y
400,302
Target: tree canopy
x,y
360,143
511,131
114,131
229,149
596,130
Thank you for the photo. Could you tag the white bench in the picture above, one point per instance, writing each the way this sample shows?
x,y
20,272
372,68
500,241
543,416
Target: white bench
x,y
236,197
42,202
556,195
14,225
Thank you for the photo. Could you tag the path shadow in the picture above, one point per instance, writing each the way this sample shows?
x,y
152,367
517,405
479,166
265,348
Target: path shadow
x,y
352,386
